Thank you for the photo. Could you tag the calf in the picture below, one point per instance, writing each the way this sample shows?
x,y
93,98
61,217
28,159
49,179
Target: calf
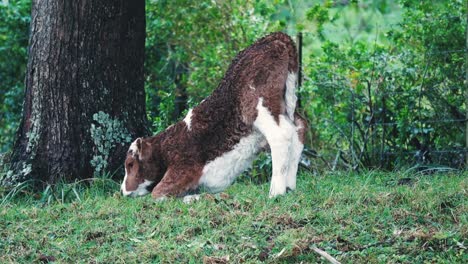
x,y
252,108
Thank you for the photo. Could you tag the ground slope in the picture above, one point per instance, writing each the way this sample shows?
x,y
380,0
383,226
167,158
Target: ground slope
x,y
370,217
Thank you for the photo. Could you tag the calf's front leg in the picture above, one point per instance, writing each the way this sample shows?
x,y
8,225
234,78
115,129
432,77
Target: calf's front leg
x,y
177,182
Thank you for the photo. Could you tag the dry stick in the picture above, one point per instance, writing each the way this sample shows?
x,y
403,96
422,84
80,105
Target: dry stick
x,y
325,255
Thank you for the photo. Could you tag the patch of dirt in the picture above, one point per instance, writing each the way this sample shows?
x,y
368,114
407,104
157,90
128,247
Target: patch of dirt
x,y
265,253
285,221
401,215
46,259
418,234
215,260
344,245
94,235
301,247
193,231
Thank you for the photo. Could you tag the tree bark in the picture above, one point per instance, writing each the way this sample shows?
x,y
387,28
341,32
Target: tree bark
x,y
85,56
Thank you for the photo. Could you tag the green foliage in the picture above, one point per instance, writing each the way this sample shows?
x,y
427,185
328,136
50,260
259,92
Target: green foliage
x,y
260,171
106,134
14,21
384,102
432,77
319,14
357,218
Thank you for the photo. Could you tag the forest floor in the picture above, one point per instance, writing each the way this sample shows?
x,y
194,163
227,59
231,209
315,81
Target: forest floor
x,y
370,217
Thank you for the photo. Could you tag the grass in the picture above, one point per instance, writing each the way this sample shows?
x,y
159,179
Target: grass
x,y
370,217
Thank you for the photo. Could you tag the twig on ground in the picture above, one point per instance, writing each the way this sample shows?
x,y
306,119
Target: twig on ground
x,y
325,255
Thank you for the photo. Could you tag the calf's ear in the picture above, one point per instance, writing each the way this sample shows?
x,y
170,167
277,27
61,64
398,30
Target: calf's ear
x,y
144,149
138,144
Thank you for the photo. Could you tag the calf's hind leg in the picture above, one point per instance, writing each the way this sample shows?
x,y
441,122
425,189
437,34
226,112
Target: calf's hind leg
x,y
279,137
296,147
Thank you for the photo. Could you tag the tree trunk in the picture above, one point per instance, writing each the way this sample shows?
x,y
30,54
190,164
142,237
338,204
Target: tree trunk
x,y
85,56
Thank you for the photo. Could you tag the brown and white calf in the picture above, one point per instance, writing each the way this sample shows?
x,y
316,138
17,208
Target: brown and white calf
x,y
253,106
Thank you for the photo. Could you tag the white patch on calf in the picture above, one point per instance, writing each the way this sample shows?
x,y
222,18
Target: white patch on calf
x,y
188,119
142,188
123,188
222,171
191,198
134,148
295,152
140,191
290,95
160,199
279,137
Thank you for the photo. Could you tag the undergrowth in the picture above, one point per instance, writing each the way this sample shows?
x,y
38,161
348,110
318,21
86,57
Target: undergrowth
x,y
370,217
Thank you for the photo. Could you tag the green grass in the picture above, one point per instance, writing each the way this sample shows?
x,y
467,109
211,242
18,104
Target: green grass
x,y
356,218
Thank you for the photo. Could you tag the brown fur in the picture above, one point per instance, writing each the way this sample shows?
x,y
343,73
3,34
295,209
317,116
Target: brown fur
x,y
175,158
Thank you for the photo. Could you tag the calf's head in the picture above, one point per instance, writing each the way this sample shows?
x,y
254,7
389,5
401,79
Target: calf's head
x,y
143,170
